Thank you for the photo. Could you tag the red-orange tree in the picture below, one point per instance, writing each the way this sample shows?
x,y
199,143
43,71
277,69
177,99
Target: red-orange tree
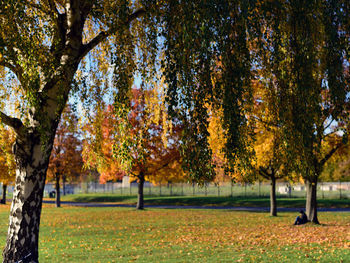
x,y
65,160
144,144
98,146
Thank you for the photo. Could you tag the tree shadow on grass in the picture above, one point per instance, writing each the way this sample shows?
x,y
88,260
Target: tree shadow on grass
x,y
103,198
206,201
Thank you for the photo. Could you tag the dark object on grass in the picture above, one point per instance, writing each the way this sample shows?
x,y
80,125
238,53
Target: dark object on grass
x,y
302,219
52,194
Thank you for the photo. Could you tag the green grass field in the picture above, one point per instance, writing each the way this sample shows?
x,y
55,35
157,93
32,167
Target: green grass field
x,y
72,234
203,200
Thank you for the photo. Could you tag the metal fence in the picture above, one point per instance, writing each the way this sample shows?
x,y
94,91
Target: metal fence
x,y
325,190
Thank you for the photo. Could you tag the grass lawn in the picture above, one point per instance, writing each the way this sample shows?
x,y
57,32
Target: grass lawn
x,y
203,200
72,234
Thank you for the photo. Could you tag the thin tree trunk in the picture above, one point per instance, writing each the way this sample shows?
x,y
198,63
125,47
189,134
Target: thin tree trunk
x,y
32,159
4,189
64,185
273,202
140,200
311,200
58,192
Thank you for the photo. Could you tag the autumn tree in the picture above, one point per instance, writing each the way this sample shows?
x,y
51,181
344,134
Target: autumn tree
x,y
217,141
142,144
152,149
98,145
270,160
337,168
267,156
65,160
308,54
7,162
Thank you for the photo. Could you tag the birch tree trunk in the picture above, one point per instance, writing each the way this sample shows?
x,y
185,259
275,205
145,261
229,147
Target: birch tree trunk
x,y
32,150
48,97
32,158
311,199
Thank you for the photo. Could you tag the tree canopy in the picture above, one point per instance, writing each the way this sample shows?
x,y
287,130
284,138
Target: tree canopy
x,y
305,51
205,51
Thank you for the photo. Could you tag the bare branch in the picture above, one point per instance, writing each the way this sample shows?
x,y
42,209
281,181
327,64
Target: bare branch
x,y
138,13
330,153
331,133
53,7
14,123
163,166
263,172
104,34
133,174
8,65
326,113
267,123
329,124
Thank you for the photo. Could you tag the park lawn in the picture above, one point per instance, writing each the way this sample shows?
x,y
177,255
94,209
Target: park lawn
x,y
73,234
203,200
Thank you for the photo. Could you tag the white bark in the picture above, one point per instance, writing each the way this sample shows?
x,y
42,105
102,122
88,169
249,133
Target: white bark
x,y
23,232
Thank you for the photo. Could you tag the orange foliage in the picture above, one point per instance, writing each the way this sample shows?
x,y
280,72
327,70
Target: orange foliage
x,y
7,162
153,143
98,153
270,157
65,159
217,141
